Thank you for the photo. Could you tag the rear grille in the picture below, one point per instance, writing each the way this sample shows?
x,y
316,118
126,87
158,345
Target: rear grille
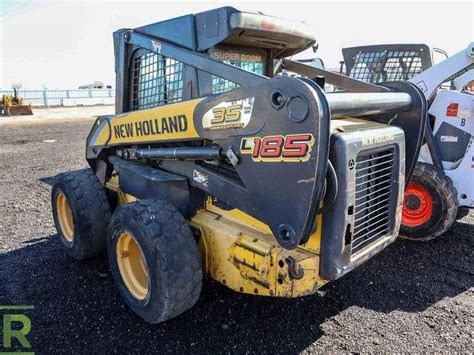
x,y
386,65
374,173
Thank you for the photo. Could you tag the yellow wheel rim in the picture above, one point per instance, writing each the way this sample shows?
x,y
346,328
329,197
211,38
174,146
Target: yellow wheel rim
x,y
132,265
65,218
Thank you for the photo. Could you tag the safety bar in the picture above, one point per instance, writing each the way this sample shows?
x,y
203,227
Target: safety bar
x,y
363,104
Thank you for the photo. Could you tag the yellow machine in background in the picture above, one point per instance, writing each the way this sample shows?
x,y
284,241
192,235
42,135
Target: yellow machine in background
x,y
12,105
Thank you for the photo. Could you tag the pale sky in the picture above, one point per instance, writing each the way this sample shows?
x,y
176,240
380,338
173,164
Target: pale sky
x,y
64,44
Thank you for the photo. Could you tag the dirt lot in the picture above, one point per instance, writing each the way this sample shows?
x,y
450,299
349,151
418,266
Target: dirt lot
x,y
410,297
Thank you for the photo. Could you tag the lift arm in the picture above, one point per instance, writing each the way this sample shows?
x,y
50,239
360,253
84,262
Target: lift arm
x,y
349,84
430,79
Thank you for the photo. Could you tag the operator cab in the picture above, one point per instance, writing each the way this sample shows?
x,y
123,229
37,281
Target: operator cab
x,y
249,41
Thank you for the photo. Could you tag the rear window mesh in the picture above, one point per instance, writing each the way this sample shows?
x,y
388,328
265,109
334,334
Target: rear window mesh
x,y
387,65
156,80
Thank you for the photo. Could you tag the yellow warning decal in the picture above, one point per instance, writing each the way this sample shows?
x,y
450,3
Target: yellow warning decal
x,y
169,122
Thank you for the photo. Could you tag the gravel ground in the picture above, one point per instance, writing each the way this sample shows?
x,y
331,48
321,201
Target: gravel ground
x,y
42,115
410,297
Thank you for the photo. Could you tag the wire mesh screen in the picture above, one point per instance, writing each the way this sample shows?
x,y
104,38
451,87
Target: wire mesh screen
x,y
220,85
386,65
156,80
374,176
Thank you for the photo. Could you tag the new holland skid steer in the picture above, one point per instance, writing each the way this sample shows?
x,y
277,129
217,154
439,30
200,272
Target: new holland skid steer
x,y
214,165
443,179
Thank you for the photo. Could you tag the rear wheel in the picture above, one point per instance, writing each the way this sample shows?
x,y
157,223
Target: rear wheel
x,y
154,259
430,204
81,213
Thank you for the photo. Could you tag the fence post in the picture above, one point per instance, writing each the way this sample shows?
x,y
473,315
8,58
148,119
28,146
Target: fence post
x,y
45,98
90,93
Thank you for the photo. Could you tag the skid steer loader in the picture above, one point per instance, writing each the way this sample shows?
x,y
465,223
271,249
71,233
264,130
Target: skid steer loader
x,y
213,165
444,177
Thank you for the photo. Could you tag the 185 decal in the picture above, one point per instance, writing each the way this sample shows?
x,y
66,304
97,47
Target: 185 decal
x,y
290,148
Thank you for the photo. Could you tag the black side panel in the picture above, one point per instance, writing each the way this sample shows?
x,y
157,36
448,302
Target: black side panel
x,y
145,182
212,27
452,142
179,30
279,186
430,142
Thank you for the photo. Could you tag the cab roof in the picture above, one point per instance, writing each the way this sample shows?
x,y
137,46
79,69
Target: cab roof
x,y
231,27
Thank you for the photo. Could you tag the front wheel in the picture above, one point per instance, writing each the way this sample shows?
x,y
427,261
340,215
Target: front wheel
x,y
430,204
154,259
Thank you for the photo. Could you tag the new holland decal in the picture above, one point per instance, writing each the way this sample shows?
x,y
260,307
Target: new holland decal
x,y
163,123
290,148
229,114
154,126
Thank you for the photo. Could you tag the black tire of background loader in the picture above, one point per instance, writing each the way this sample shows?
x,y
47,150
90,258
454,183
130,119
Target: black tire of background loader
x,y
171,254
462,212
90,209
445,203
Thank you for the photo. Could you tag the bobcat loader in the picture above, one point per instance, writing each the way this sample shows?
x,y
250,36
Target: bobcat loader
x,y
444,176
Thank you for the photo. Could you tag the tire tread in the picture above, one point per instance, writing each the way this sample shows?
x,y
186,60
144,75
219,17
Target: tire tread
x,y
92,207
172,236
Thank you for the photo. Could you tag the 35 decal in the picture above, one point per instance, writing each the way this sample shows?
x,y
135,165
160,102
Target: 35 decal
x,y
290,148
229,114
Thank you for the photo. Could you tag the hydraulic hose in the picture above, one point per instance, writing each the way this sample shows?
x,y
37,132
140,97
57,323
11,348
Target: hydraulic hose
x,y
331,189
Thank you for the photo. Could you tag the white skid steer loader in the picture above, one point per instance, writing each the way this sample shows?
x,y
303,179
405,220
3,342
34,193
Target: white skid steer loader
x,y
444,175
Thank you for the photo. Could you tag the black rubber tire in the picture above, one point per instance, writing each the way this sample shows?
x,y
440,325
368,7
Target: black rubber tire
x,y
463,212
444,199
90,209
171,255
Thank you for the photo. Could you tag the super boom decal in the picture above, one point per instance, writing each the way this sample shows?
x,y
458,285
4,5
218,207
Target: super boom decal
x,y
289,148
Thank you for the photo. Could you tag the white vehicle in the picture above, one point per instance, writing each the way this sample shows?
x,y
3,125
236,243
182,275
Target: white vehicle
x,y
444,176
